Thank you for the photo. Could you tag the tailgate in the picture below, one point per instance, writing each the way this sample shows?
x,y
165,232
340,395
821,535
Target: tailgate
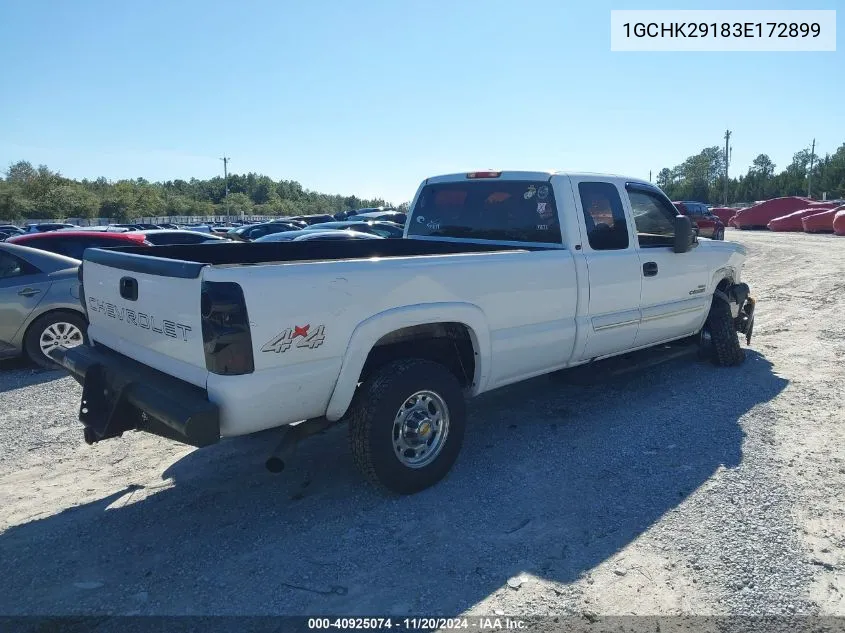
x,y
147,308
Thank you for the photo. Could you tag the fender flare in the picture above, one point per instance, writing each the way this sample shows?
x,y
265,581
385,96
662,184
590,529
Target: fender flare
x,y
370,331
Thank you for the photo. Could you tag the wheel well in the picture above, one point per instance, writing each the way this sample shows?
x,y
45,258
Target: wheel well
x,y
724,284
449,344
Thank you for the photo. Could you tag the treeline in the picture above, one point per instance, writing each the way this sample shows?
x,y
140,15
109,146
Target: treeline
x,y
38,192
702,177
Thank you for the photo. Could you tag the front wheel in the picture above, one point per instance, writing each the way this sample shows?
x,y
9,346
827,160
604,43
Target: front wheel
x,y
407,425
720,234
51,330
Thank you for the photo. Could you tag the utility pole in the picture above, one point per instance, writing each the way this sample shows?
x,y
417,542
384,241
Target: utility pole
x,y
810,175
226,160
649,175
728,150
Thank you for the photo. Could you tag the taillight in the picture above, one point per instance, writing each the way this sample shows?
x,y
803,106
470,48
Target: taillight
x,y
226,334
81,290
484,174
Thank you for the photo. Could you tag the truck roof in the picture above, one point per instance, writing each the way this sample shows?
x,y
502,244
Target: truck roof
x,y
531,175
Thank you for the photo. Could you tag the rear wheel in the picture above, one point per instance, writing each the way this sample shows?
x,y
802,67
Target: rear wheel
x,y
719,337
406,425
720,234
51,330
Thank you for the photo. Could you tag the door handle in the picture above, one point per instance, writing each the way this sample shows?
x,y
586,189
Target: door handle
x,y
29,292
650,269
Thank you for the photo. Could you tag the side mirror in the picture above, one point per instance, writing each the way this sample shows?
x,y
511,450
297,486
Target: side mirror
x,y
684,235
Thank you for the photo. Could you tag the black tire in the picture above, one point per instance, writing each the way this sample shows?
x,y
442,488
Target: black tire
x,y
32,346
372,430
720,234
726,350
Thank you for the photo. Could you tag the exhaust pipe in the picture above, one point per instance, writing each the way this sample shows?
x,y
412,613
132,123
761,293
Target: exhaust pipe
x,y
293,433
284,451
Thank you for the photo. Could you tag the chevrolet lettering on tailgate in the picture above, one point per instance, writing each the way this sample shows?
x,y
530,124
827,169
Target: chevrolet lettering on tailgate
x,y
142,320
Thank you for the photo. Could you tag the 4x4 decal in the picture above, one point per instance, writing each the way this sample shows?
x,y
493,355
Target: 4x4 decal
x,y
298,336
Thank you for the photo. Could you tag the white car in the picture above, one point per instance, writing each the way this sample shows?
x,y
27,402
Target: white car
x,y
502,276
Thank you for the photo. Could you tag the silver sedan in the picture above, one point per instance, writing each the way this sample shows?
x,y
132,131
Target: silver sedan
x,y
39,303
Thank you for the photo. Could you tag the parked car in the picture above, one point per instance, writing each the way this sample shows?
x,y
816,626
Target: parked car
x,y
110,228
49,226
255,231
310,232
504,276
137,226
282,236
168,225
161,237
312,219
73,243
708,224
11,229
340,234
39,304
346,215
384,229
199,228
386,216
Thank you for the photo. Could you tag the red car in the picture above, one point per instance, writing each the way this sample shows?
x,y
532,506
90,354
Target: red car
x,y
708,224
74,243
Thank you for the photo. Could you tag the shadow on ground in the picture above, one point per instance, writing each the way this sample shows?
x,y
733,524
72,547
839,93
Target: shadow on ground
x,y
17,373
553,480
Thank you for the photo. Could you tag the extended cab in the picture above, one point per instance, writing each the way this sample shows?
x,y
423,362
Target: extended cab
x,y
502,276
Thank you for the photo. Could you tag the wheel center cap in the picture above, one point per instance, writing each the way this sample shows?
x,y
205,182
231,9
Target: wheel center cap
x,y
425,430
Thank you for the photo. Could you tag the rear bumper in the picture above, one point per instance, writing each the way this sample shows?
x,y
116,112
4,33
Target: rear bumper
x,y
120,394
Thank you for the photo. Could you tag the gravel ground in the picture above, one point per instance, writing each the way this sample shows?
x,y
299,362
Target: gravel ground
x,y
680,489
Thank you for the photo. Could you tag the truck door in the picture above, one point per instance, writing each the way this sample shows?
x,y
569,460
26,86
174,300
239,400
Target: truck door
x,y
674,285
613,268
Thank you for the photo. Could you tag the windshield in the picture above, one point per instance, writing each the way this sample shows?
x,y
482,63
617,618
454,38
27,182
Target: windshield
x,y
505,210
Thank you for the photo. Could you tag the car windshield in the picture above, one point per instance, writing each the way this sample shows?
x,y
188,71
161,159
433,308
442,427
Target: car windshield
x,y
506,210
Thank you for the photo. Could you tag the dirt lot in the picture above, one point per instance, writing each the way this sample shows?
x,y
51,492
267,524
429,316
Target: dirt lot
x,y
682,489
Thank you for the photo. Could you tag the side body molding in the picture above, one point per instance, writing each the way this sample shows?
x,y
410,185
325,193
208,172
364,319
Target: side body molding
x,y
368,333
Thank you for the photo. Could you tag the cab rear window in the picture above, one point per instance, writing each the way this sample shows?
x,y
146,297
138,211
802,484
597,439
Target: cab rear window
x,y
506,210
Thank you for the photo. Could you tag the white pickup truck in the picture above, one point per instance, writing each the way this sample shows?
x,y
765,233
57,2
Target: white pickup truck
x,y
501,276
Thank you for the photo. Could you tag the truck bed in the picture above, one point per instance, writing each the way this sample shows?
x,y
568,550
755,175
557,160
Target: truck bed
x,y
186,260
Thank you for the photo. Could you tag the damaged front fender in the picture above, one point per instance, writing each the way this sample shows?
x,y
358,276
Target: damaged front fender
x,y
738,297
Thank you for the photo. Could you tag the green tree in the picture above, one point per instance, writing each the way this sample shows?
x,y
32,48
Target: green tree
x,y
14,205
70,201
238,203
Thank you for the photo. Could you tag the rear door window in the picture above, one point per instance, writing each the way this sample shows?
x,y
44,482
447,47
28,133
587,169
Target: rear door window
x,y
505,210
604,216
10,266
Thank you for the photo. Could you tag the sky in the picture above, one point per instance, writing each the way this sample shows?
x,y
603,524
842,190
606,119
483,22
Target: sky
x,y
370,97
